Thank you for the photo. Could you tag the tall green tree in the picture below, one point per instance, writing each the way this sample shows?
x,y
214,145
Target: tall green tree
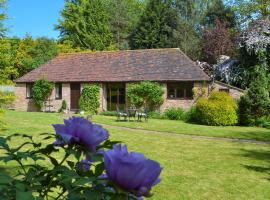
x,y
3,16
218,11
124,15
86,24
160,26
256,102
156,26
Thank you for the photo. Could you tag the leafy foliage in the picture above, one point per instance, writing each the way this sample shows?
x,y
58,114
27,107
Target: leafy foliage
x,y
63,106
155,27
56,172
86,24
219,110
218,11
217,41
89,101
255,103
3,16
109,113
147,94
174,113
42,90
124,16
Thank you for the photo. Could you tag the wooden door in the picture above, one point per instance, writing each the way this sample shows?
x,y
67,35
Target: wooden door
x,y
75,93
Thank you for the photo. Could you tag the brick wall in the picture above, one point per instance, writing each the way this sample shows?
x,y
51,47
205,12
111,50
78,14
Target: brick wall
x,y
183,103
21,102
24,104
234,92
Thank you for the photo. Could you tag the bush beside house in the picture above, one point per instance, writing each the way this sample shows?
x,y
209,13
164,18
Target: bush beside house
x,y
219,109
89,100
145,94
42,90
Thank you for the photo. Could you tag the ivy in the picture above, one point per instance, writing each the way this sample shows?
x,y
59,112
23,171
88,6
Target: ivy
x,y
89,101
147,94
42,90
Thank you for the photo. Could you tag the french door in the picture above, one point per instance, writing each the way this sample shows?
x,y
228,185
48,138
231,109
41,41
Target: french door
x,y
116,96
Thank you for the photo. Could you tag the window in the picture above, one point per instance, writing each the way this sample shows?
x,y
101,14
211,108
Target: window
x,y
224,90
58,91
29,88
180,90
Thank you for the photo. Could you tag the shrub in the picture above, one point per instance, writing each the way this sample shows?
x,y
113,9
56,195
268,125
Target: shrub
x,y
263,122
147,94
190,115
109,113
42,90
156,115
64,106
89,101
174,114
6,99
219,110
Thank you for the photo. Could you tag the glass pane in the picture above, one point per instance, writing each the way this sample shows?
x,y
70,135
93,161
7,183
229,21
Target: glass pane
x,y
189,93
171,93
180,93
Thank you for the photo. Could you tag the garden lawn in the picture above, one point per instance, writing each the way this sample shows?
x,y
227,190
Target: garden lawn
x,y
193,169
180,127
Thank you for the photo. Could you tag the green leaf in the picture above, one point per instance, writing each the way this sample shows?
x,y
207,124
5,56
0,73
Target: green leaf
x,y
5,179
24,195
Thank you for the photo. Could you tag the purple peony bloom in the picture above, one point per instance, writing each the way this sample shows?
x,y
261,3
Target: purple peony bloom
x,y
80,130
132,172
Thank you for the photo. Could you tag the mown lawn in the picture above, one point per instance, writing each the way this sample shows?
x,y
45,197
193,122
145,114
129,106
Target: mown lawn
x,y
180,127
193,169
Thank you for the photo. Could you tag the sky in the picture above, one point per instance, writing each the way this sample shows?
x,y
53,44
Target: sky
x,y
35,17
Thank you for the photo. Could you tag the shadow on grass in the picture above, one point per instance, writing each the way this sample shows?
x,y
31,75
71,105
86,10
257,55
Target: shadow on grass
x,y
262,155
255,135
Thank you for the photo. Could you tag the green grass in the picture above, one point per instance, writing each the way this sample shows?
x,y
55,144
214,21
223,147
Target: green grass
x,y
194,169
181,127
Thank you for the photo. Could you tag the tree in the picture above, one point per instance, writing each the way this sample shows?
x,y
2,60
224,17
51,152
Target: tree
x,y
249,10
254,49
85,24
256,102
124,15
3,16
217,41
156,26
218,11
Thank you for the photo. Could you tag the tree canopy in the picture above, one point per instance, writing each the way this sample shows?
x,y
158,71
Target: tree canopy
x,y
3,16
86,24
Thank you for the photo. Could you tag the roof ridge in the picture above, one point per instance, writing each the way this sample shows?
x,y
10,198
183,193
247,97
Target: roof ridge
x,y
115,51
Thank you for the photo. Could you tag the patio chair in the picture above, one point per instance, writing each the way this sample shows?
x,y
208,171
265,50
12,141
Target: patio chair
x,y
120,114
132,113
143,114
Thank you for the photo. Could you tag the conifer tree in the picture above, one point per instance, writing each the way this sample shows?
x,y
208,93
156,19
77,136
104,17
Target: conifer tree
x,y
86,24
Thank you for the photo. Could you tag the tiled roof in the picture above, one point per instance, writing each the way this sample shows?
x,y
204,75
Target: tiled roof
x,y
114,66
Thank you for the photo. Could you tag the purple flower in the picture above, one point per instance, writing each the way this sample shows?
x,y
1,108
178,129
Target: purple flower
x,y
85,165
82,131
132,172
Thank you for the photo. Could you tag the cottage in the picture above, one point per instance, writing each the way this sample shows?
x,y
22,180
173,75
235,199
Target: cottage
x,y
114,71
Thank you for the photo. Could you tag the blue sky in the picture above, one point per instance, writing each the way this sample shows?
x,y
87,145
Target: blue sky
x,y
36,17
